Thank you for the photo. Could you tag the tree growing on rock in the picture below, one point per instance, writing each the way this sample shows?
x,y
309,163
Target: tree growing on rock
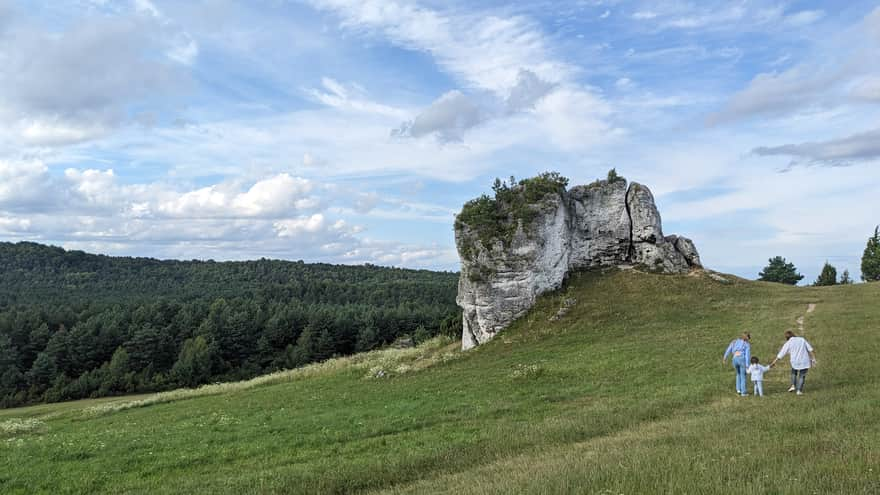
x,y
871,258
780,271
828,275
613,177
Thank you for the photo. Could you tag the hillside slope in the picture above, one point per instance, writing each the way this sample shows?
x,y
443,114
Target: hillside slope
x,y
623,394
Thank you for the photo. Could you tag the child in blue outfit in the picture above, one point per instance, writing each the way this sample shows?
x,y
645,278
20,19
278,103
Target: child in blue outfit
x,y
757,371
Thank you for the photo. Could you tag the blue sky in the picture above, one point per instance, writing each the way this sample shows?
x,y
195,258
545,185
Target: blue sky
x,y
352,131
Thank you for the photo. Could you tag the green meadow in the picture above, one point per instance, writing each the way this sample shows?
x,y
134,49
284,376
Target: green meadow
x,y
624,394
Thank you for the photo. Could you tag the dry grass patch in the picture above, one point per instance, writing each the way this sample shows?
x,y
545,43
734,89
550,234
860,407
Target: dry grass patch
x,y
382,363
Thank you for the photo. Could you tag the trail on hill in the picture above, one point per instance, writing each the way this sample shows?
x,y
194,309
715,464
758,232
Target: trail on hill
x,y
800,319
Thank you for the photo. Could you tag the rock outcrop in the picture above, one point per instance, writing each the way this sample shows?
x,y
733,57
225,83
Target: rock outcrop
x,y
525,241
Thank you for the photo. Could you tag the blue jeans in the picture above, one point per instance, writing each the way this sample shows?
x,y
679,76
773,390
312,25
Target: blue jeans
x,y
740,366
798,377
759,387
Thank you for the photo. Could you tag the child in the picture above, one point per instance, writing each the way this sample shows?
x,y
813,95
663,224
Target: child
x,y
757,371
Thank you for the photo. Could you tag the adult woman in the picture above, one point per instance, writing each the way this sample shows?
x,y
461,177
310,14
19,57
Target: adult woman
x,y
741,349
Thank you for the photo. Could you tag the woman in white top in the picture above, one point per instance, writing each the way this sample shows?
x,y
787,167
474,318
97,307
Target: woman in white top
x,y
801,354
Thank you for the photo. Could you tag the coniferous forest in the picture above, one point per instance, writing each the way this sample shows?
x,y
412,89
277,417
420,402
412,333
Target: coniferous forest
x,y
76,325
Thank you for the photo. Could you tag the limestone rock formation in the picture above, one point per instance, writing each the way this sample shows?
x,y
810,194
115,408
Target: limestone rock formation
x,y
526,240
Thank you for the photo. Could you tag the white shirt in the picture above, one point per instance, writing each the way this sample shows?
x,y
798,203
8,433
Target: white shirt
x,y
757,371
799,351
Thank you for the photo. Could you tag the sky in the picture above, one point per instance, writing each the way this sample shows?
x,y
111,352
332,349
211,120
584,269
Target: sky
x,y
352,131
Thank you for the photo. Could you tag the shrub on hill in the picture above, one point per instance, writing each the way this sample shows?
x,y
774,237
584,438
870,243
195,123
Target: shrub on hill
x,y
778,270
828,276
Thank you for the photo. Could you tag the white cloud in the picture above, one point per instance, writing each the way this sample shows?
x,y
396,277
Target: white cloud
x,y
574,119
623,84
272,197
867,89
274,217
449,118
276,195
528,90
12,226
96,187
804,17
777,94
486,51
836,152
78,83
299,226
185,53
350,98
453,114
56,132
23,184
825,80
147,7
642,15
723,15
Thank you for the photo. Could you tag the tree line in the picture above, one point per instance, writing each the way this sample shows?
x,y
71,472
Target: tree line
x,y
76,325
781,271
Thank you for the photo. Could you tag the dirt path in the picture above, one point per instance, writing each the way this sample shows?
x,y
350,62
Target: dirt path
x,y
800,319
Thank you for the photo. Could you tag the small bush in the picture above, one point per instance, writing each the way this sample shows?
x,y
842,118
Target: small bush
x,y
526,371
613,177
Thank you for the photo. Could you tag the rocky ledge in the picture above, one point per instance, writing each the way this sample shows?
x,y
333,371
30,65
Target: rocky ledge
x,y
525,240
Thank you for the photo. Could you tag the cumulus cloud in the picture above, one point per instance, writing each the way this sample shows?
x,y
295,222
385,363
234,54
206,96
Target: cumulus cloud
x,y
271,197
836,152
298,226
24,185
95,187
278,216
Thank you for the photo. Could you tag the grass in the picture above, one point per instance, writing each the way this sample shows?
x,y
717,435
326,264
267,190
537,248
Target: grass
x,y
625,393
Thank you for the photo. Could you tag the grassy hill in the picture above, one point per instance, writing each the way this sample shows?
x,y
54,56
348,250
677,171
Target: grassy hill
x,y
623,394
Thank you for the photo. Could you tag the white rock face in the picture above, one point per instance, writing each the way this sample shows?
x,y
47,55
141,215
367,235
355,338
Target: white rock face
x,y
601,224
502,283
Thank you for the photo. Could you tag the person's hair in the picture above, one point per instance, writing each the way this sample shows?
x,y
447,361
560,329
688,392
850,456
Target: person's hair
x,y
746,336
789,334
755,360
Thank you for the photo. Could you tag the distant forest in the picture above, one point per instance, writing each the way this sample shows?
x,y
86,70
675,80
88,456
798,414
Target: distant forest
x,y
76,325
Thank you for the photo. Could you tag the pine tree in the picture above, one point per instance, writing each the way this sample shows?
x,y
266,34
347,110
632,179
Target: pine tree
x,y
871,258
845,279
43,371
828,275
778,270
196,363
